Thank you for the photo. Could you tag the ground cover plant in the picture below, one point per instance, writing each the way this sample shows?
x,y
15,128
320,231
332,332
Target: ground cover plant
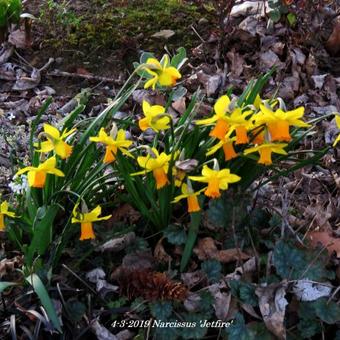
x,y
155,216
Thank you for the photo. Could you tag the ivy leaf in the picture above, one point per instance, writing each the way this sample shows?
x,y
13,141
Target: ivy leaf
x,y
275,15
180,58
75,309
196,332
244,291
175,235
213,270
161,310
309,328
206,303
238,330
327,312
294,263
291,17
145,56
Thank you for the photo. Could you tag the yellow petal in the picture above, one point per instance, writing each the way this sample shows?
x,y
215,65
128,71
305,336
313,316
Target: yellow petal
x,y
222,105
63,150
154,63
337,121
51,131
4,207
46,146
151,83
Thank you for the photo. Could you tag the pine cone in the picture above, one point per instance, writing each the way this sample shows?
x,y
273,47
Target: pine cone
x,y
150,285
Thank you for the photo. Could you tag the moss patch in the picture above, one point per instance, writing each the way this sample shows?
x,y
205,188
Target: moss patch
x,y
92,25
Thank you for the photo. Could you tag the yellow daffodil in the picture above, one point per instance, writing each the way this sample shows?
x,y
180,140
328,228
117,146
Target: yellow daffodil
x,y
114,142
337,121
155,118
86,219
191,196
279,121
158,164
258,134
4,212
55,141
227,144
219,119
266,150
217,180
37,175
161,73
239,122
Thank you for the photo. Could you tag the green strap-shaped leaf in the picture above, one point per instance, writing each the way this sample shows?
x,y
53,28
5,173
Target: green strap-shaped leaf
x,y
192,236
42,231
4,285
40,290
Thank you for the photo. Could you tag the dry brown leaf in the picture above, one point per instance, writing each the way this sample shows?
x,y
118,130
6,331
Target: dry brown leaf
x,y
237,62
179,105
206,249
119,243
160,254
230,255
141,260
222,300
272,305
331,243
193,278
126,214
9,265
247,268
101,332
333,43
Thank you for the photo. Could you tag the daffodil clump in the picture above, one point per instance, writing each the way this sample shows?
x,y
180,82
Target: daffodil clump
x,y
74,173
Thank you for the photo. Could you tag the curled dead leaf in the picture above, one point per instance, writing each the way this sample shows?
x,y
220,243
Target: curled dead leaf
x,y
118,244
7,266
272,303
160,254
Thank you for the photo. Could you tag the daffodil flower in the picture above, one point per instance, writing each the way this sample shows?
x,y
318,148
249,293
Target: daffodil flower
x,y
266,150
191,196
227,144
37,175
114,142
239,122
220,118
55,141
155,118
4,212
86,219
158,164
161,73
279,121
337,121
217,180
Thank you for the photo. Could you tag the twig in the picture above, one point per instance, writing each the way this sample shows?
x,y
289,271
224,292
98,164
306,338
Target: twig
x,y
195,31
57,73
80,279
